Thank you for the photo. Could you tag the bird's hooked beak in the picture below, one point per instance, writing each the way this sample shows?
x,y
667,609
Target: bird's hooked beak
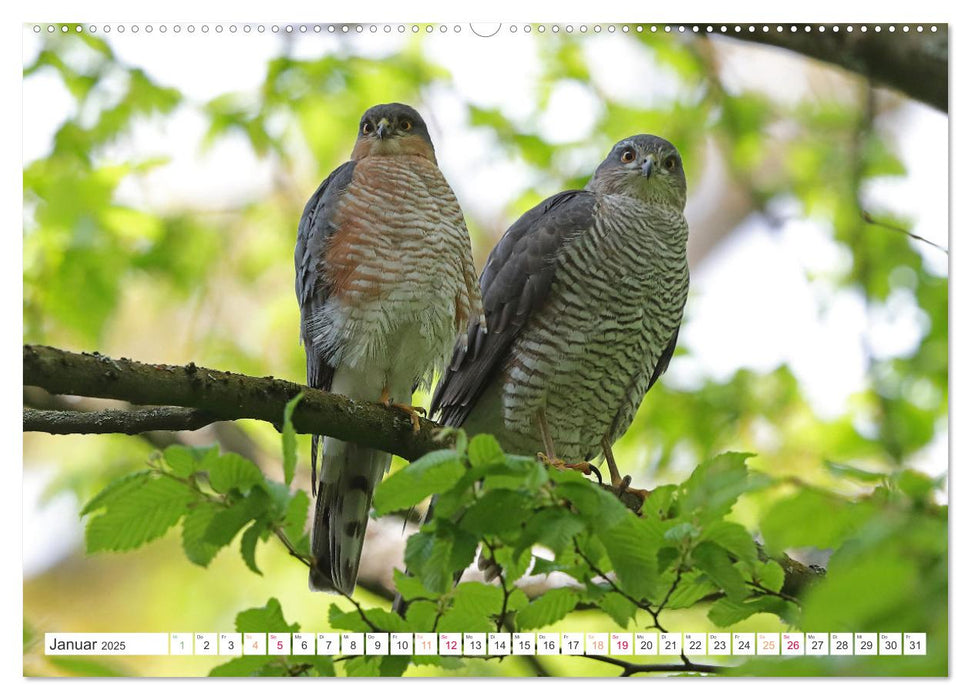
x,y
384,129
647,166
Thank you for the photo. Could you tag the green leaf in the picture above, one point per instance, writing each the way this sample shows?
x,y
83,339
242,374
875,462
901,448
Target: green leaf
x,y
429,555
598,507
198,549
632,547
247,545
296,516
363,666
289,437
770,574
228,521
119,489
135,512
352,621
243,666
620,609
715,562
732,537
421,615
410,587
543,566
484,451
183,461
232,471
474,608
548,608
323,665
726,612
693,586
553,527
812,519
715,485
851,472
269,618
434,473
497,512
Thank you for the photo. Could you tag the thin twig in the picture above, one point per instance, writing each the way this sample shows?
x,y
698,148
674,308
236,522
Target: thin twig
x,y
867,217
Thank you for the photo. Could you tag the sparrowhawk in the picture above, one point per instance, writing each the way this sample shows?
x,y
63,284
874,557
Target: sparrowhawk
x,y
385,282
583,297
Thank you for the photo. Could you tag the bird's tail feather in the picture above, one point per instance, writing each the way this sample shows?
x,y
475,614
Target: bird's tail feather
x,y
348,477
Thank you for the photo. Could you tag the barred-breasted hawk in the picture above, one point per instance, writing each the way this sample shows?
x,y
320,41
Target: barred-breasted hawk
x,y
385,281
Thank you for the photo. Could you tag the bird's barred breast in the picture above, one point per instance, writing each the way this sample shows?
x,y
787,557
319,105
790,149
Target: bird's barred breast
x,y
616,301
395,263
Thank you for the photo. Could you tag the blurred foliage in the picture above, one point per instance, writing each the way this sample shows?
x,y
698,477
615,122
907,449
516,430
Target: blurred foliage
x,y
105,269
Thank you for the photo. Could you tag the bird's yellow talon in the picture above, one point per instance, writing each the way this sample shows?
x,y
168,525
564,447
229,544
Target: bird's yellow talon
x,y
413,412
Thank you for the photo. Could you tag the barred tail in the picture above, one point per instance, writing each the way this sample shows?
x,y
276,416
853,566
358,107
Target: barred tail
x,y
348,478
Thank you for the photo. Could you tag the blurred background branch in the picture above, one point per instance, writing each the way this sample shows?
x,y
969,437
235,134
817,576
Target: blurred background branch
x,y
915,63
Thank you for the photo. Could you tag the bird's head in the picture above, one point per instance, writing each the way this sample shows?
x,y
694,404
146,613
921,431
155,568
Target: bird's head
x,y
643,166
390,130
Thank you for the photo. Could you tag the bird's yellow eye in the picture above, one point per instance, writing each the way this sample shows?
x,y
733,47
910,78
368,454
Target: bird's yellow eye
x,y
367,128
670,162
406,125
627,156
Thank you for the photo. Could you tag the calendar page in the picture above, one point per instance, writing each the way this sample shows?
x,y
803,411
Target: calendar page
x,y
511,349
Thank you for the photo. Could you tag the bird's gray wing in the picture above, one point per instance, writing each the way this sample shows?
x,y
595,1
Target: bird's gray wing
x,y
312,282
662,362
515,282
314,231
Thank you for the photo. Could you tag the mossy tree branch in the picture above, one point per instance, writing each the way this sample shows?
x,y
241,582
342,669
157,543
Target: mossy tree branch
x,y
213,395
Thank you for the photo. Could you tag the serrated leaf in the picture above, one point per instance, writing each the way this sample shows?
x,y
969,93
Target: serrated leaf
x,y
118,489
232,471
681,532
289,438
434,473
410,587
714,561
243,666
198,549
474,607
349,620
352,620
693,586
323,665
421,615
553,527
230,520
726,612
716,484
732,537
183,460
269,618
428,556
632,547
484,450
601,510
393,666
296,516
620,609
136,512
548,608
363,666
496,513
247,546
770,574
